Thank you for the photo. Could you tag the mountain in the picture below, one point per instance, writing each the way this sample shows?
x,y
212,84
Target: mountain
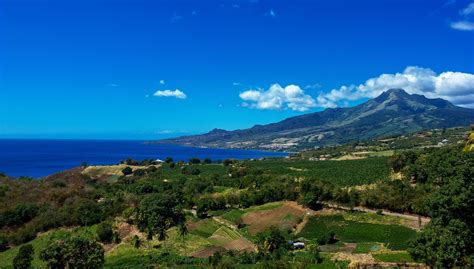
x,y
394,112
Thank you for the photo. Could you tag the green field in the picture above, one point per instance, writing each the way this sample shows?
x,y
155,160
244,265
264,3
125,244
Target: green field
x,y
393,236
393,257
206,227
341,173
366,247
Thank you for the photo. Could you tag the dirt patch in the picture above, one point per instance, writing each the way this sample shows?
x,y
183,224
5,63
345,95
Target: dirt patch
x,y
286,217
207,252
241,244
127,231
355,259
349,157
103,171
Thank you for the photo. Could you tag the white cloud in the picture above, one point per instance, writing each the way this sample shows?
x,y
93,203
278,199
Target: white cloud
x,y
276,97
456,87
162,82
468,10
169,93
463,25
313,86
176,18
271,13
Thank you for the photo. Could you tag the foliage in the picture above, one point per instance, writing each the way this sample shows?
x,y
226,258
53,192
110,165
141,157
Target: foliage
x,y
448,240
396,237
157,213
105,232
271,240
127,171
21,214
73,252
24,257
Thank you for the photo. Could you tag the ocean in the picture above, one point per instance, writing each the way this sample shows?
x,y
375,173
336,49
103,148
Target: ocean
x,y
39,158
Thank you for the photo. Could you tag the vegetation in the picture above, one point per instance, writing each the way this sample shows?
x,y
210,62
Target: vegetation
x,y
73,252
323,228
24,257
179,214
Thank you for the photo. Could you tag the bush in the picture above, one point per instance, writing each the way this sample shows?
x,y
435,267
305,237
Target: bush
x,y
73,252
105,232
138,172
24,257
127,171
21,214
3,243
194,161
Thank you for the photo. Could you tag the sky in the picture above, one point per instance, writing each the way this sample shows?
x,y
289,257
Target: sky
x,y
155,69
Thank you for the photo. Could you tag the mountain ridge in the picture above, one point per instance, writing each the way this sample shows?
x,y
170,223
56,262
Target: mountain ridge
x,y
394,112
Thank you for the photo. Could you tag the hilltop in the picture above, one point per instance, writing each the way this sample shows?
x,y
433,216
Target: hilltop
x,y
394,112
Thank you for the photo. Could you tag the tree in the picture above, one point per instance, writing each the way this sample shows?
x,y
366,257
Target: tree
x,y
136,241
3,243
182,229
315,256
194,161
24,257
105,232
139,172
73,252
157,213
127,171
444,246
271,240
168,160
207,161
448,240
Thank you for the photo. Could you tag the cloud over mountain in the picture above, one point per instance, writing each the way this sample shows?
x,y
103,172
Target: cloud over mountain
x,y
456,87
278,97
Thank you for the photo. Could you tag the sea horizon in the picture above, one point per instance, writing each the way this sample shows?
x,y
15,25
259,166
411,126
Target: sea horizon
x,y
38,158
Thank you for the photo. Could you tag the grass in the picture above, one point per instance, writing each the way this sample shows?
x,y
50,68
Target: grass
x,y
366,247
393,236
206,228
126,256
267,206
39,243
233,215
373,218
223,235
393,257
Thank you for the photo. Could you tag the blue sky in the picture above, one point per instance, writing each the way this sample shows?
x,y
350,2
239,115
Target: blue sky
x,y
110,69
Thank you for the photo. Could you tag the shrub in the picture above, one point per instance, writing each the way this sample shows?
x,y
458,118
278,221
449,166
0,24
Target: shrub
x,y
138,172
24,257
21,214
127,171
73,252
3,243
194,161
105,232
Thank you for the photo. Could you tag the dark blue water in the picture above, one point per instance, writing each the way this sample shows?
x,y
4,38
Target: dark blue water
x,y
38,158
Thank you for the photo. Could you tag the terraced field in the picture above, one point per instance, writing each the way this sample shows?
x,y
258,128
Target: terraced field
x,y
394,237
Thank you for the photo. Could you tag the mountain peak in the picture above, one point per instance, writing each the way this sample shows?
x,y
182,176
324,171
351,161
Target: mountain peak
x,y
393,112
392,94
